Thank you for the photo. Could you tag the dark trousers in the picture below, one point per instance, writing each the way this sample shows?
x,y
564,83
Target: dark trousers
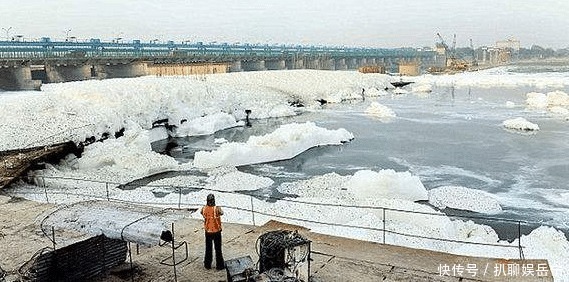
x,y
214,238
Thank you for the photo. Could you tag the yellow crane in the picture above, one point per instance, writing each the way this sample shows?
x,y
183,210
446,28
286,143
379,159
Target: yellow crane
x,y
453,63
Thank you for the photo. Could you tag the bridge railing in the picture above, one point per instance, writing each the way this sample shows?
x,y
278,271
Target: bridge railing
x,y
390,229
136,49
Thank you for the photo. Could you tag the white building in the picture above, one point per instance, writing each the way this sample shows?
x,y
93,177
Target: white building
x,y
510,43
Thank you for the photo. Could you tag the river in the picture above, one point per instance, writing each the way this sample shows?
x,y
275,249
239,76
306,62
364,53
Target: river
x,y
452,136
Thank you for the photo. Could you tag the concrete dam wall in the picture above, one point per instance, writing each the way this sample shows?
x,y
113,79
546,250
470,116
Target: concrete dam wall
x,y
22,75
31,77
17,78
182,70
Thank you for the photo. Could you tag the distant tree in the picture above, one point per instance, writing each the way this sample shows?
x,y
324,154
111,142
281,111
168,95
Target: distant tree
x,y
525,53
548,53
536,48
564,52
538,52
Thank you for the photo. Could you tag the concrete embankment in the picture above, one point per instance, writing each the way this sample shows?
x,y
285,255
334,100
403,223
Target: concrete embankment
x,y
333,258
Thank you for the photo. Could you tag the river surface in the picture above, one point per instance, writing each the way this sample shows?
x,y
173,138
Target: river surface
x,y
451,136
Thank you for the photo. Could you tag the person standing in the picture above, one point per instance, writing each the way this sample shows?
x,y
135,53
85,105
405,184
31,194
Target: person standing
x,y
212,226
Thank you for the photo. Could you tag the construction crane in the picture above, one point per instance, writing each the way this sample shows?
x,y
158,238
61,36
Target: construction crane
x,y
474,62
452,62
454,43
443,42
448,50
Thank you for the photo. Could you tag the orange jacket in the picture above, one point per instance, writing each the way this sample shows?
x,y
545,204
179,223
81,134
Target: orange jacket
x,y
212,218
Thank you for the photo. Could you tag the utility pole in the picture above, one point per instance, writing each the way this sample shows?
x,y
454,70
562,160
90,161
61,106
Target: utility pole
x,y
67,34
7,30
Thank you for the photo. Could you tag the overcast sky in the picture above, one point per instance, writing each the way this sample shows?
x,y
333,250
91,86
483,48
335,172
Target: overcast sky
x,y
371,23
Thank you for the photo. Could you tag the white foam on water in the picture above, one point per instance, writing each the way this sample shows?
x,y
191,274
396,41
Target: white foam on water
x,y
422,88
496,77
235,180
207,125
158,133
386,184
520,123
380,111
555,102
277,171
284,143
463,198
428,171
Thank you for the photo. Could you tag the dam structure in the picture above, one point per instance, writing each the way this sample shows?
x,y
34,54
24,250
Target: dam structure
x,y
25,65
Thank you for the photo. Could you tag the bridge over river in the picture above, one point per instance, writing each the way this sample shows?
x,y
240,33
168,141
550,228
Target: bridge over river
x,y
25,65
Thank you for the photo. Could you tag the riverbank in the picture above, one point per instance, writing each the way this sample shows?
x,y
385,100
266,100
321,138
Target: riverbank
x,y
333,258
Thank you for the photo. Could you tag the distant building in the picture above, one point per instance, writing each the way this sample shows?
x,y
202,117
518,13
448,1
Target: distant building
x,y
511,43
495,55
409,68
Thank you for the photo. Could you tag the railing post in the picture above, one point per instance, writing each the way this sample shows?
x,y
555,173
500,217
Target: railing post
x,y
383,209
520,240
174,253
45,189
107,189
252,210
179,197
131,266
53,236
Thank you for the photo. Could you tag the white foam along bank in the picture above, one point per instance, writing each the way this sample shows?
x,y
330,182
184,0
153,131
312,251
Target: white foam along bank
x,y
75,111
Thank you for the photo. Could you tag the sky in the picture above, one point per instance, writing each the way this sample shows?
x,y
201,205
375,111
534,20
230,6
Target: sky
x,y
364,23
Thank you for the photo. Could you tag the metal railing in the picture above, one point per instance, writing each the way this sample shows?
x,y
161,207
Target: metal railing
x,y
388,214
170,240
95,48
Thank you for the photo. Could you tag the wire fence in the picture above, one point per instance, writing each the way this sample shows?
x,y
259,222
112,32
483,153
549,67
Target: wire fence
x,y
387,230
